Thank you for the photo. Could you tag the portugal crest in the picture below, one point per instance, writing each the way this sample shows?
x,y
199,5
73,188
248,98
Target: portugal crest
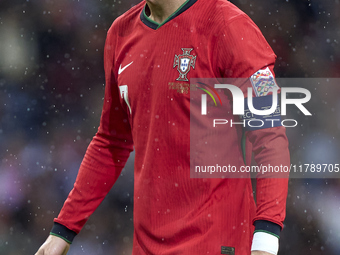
x,y
183,63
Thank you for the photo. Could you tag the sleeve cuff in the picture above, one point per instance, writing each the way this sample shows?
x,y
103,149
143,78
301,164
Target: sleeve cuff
x,y
267,227
63,232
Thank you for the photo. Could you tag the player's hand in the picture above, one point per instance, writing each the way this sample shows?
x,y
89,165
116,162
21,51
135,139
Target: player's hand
x,y
53,246
260,253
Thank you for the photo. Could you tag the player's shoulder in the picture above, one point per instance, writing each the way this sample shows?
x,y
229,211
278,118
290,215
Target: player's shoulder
x,y
225,11
127,19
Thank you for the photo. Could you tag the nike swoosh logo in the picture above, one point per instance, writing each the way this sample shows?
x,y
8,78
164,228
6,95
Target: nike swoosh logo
x,y
122,69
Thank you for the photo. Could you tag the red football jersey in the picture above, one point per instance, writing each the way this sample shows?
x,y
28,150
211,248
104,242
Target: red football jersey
x,y
144,109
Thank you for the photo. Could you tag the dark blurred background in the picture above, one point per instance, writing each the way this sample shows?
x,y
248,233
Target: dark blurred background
x,y
51,91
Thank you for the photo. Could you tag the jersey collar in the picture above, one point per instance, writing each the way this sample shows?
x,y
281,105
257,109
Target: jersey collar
x,y
154,25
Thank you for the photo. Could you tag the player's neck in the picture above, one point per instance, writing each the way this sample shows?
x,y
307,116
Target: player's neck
x,y
160,10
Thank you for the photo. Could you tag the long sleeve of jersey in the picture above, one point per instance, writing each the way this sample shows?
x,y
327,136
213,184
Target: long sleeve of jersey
x,y
247,53
104,158
270,147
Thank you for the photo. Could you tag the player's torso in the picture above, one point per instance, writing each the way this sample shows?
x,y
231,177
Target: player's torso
x,y
153,69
